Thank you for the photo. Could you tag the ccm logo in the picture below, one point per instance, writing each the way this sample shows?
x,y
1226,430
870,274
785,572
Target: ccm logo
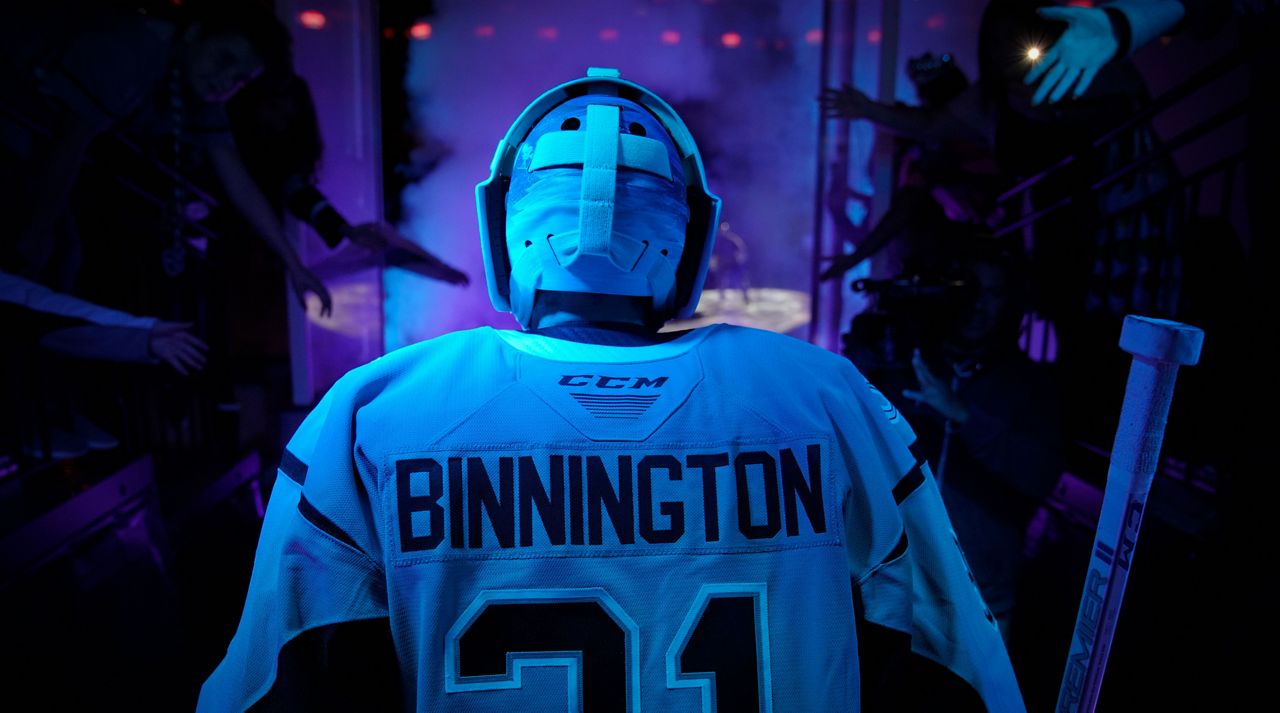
x,y
612,382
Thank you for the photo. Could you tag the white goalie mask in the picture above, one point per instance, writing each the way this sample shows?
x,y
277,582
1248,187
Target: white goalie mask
x,y
597,188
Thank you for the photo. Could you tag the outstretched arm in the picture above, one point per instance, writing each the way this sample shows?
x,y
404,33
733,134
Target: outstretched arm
x,y
902,211
919,123
311,206
405,254
248,199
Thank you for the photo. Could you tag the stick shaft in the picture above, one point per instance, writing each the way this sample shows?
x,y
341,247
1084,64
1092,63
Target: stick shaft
x,y
1134,458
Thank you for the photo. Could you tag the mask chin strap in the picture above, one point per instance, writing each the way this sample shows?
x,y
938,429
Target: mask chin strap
x,y
599,181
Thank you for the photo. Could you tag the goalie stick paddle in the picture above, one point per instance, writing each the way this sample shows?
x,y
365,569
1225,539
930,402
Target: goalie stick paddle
x,y
1158,347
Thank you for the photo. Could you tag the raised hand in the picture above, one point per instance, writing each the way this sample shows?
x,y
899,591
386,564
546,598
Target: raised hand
x,y
303,281
843,103
370,236
935,392
1084,47
403,253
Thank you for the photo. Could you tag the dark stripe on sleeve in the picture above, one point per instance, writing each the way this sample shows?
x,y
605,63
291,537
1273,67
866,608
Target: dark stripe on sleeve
x,y
294,468
327,526
912,480
917,450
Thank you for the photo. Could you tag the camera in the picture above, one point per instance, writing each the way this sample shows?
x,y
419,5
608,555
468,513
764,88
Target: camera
x,y
915,310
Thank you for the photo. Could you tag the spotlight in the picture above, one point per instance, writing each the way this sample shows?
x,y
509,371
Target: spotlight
x,y
312,19
1033,53
420,30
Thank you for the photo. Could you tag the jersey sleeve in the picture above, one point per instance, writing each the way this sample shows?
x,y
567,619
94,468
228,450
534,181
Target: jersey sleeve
x,y
920,585
317,565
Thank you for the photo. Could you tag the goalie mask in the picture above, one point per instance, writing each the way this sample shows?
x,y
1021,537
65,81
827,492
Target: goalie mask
x,y
597,188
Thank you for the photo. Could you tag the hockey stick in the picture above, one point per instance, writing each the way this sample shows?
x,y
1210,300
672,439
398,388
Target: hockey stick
x,y
1158,347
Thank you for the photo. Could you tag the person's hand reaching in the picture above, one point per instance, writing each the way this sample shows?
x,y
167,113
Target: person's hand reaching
x,y
302,281
1074,60
844,103
172,343
403,253
373,237
424,263
935,392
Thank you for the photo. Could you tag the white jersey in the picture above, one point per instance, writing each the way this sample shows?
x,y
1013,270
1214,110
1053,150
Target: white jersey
x,y
550,526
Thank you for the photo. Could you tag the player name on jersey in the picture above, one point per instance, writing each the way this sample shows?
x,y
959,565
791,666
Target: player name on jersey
x,y
567,501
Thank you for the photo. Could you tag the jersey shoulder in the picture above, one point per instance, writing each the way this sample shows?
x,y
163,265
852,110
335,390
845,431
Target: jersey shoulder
x,y
420,360
430,383
795,364
783,364
749,345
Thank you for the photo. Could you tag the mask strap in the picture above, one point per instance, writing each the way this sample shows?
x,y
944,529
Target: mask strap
x,y
599,179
